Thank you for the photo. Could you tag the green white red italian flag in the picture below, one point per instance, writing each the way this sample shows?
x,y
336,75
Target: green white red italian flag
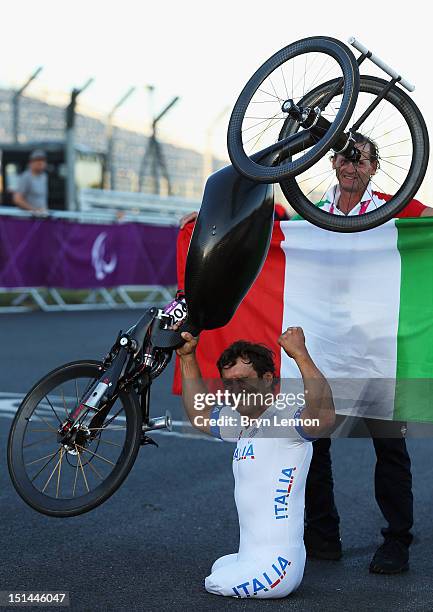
x,y
364,301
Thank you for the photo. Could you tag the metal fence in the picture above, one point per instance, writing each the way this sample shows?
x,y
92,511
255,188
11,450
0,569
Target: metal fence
x,y
141,207
101,207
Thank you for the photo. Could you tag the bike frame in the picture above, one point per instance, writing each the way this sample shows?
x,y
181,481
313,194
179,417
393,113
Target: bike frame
x,y
138,356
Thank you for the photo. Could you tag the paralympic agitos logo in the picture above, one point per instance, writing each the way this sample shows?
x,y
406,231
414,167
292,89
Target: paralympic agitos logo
x,y
265,581
102,267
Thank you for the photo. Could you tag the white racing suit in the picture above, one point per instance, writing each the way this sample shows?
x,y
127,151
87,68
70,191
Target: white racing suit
x,y
270,474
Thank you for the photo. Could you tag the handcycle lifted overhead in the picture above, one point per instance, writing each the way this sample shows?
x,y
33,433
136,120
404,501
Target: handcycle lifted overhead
x,y
301,100
77,433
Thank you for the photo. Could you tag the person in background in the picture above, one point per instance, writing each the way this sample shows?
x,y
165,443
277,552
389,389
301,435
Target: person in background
x,y
32,189
354,194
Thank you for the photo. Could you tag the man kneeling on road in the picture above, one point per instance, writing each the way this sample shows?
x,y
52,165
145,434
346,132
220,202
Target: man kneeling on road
x,y
269,467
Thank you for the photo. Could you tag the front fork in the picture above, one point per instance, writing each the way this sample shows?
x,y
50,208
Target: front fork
x,y
104,392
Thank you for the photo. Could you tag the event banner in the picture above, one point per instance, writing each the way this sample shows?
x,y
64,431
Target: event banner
x,y
364,301
57,253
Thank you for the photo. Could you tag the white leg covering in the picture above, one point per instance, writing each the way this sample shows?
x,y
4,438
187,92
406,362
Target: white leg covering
x,y
222,561
270,476
272,575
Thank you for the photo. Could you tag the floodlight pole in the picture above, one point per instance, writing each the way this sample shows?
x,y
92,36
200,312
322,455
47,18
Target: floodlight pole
x,y
71,202
208,154
154,153
16,101
110,137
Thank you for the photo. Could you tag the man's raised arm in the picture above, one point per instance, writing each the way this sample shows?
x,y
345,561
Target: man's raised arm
x,y
318,395
193,388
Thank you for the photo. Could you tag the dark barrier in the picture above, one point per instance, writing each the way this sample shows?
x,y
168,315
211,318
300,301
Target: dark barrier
x,y
72,255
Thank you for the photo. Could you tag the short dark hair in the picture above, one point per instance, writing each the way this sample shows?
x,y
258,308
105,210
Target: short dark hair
x,y
362,139
259,355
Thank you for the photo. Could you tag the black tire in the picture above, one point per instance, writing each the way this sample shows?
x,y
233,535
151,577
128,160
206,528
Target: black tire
x,y
273,174
76,505
420,155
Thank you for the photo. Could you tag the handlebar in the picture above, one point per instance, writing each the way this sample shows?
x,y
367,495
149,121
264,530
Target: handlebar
x,y
381,64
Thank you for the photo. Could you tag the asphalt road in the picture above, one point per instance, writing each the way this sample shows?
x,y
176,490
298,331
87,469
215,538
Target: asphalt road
x,y
150,546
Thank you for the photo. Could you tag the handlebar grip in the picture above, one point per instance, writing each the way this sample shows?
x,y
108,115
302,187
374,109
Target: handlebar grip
x,y
381,64
169,338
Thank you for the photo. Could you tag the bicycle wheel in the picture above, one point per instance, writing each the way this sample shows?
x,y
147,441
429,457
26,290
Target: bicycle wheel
x,y
279,83
69,479
399,131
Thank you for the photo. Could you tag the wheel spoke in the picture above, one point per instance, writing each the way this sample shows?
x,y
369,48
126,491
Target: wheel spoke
x,y
294,87
52,408
110,443
42,458
279,99
82,470
264,118
284,80
60,469
311,178
323,77
250,127
38,441
46,422
399,127
64,403
393,144
382,122
396,165
391,177
76,474
392,156
76,392
327,188
293,75
260,135
44,466
370,193
380,189
86,450
52,473
263,102
85,413
305,72
114,428
318,185
269,94
382,105
92,467
111,420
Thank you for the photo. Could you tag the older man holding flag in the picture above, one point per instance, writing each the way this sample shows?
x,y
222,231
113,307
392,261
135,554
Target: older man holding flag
x,y
358,296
